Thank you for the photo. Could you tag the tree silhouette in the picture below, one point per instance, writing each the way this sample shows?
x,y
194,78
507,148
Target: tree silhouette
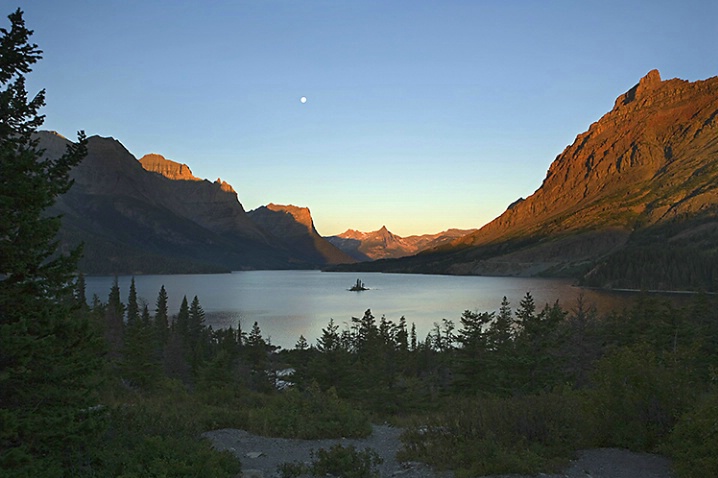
x,y
48,352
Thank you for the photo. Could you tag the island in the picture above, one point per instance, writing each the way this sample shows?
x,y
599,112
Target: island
x,y
358,287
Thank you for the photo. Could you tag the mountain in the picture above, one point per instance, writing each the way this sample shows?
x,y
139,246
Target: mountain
x,y
154,216
382,244
295,226
633,202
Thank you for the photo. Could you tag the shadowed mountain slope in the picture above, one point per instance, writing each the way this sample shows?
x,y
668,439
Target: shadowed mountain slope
x,y
294,225
160,219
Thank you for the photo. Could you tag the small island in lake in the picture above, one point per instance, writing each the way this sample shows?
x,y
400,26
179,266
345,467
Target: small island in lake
x,y
359,286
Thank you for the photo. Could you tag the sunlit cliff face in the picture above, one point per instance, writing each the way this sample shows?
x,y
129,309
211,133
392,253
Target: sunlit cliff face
x,y
651,157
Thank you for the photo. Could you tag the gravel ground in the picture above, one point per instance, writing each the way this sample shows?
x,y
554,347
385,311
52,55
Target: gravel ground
x,y
264,454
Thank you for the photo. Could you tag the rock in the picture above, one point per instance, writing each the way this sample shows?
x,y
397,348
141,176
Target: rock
x,y
251,473
254,454
167,168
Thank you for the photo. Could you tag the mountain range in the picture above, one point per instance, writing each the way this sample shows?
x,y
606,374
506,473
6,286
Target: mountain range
x,y
632,203
382,244
154,216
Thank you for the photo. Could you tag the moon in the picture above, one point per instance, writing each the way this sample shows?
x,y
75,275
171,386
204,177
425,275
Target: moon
x,y
303,99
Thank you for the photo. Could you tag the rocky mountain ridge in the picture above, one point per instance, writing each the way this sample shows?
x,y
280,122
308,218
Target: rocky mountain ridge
x,y
295,226
383,244
643,180
155,216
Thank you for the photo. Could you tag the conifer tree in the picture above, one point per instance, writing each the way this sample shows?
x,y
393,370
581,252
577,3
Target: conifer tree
x,y
329,340
412,334
501,331
133,308
161,320
140,364
301,344
81,292
48,354
471,356
114,323
196,333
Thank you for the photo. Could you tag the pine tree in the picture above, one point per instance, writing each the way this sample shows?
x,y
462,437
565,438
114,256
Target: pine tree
x,y
329,340
412,334
196,333
49,358
114,323
471,356
133,308
181,322
301,344
81,292
161,320
140,363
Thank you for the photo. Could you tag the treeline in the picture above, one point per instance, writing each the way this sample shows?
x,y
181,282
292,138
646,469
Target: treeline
x,y
146,346
520,390
658,267
514,390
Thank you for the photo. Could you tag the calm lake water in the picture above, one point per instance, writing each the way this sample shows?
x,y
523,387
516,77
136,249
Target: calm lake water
x,y
287,304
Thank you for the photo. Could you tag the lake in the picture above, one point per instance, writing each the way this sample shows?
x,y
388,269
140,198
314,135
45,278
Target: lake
x,y
287,304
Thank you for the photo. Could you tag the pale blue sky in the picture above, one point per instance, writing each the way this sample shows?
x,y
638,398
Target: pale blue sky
x,y
421,115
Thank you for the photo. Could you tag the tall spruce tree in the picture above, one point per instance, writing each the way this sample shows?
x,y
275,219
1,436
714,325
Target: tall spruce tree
x,y
133,307
161,320
48,352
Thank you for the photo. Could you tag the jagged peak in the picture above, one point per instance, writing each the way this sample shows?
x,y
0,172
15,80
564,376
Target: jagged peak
x,y
225,186
645,85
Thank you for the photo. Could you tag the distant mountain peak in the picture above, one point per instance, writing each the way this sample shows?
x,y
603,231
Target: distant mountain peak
x,y
295,226
300,214
383,244
157,163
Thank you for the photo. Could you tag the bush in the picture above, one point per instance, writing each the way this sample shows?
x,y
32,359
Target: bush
x,y
347,462
166,456
159,437
692,443
309,414
637,398
483,436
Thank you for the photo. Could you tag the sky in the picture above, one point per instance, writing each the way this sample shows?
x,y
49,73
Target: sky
x,y
420,115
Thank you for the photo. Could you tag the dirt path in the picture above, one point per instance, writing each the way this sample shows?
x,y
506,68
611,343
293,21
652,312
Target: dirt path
x,y
265,454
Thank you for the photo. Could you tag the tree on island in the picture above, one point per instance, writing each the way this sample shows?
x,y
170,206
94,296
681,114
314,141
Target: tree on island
x,y
49,356
359,286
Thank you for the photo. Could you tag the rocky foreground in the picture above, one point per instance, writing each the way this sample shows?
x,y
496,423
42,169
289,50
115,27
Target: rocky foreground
x,y
261,456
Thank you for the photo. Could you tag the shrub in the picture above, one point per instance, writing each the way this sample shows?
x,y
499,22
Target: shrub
x,y
155,437
482,436
309,414
637,398
692,443
347,462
